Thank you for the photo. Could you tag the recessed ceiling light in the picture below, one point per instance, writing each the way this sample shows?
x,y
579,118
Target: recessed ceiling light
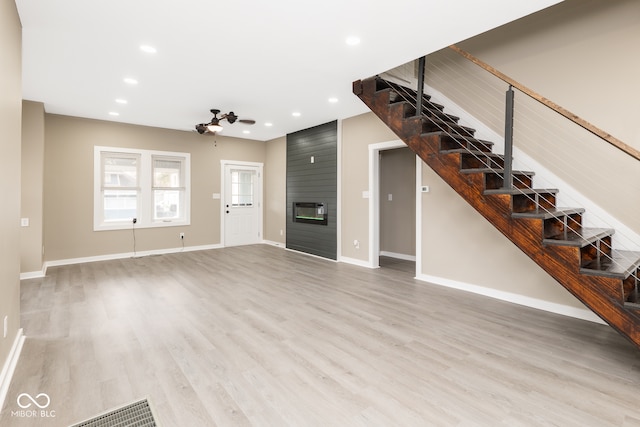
x,y
121,101
113,113
148,49
333,100
268,124
130,81
295,114
352,40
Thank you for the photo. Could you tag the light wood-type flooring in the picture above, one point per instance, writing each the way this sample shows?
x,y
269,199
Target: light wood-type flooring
x,y
261,336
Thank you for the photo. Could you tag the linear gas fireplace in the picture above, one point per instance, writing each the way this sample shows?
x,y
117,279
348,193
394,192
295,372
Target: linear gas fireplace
x,y
310,213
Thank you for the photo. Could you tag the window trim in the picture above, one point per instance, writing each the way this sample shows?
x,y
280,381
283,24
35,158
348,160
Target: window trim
x,y
145,189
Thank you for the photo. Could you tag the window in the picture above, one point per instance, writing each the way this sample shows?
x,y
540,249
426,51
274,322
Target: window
x,y
151,186
168,188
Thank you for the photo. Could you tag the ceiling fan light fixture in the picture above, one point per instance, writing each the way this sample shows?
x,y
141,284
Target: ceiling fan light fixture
x,y
214,125
214,128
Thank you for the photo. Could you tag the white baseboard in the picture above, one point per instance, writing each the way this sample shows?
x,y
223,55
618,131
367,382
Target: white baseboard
x,y
10,366
34,274
272,243
357,262
129,255
565,310
398,256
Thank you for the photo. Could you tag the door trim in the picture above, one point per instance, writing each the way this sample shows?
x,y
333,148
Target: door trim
x,y
260,167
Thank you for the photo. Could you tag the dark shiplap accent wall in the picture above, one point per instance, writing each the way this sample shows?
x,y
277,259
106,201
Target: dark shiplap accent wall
x,y
313,182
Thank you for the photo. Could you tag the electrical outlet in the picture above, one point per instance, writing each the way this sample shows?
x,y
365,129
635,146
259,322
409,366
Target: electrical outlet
x,y
181,235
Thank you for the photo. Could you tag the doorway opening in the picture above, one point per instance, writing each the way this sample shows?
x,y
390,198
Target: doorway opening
x,y
392,206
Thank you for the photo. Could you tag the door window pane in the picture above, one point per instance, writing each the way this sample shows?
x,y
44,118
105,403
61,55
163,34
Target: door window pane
x,y
242,188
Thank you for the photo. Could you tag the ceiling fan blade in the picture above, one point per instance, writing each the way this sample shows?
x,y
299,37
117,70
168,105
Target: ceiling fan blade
x,y
247,121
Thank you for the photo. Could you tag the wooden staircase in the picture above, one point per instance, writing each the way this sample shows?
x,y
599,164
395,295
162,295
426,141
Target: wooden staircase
x,y
580,259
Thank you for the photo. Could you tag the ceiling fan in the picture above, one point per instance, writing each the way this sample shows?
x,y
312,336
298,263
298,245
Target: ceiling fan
x,y
214,125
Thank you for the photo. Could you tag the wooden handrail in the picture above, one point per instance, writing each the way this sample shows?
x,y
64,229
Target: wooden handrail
x,y
560,110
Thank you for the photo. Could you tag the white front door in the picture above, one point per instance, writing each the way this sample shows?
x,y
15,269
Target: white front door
x,y
242,204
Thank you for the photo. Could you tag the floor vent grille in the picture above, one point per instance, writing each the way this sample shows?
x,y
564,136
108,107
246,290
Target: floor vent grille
x,y
137,414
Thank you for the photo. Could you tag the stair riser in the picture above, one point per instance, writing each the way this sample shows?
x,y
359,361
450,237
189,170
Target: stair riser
x,y
598,250
407,92
631,288
410,111
533,202
494,181
562,225
393,116
453,129
429,110
491,181
447,143
479,161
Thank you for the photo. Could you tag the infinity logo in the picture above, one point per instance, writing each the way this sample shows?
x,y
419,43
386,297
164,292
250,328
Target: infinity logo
x,y
33,401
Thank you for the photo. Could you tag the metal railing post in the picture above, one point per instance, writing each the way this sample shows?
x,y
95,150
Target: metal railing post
x,y
420,91
508,140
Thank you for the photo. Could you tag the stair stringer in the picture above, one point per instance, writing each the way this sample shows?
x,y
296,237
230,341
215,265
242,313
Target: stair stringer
x,y
602,295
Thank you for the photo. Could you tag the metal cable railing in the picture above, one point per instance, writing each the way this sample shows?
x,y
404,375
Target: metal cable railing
x,y
552,137
633,154
603,249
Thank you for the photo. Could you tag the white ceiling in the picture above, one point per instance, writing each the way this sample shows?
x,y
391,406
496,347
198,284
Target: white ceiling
x,y
263,60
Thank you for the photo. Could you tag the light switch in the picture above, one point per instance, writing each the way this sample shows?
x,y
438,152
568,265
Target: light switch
x,y
24,222
390,197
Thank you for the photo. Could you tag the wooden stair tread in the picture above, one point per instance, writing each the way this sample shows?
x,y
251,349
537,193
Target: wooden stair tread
x,y
435,112
473,153
548,213
496,171
581,238
396,96
524,191
620,266
465,138
409,93
460,130
468,151
632,305
429,110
